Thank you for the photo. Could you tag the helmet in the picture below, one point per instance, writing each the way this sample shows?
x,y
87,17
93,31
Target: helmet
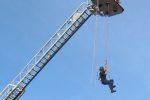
x,y
101,68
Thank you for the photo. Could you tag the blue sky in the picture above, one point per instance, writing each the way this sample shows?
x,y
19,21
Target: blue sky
x,y
25,25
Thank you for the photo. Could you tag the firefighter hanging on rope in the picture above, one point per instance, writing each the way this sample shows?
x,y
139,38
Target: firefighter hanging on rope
x,y
104,80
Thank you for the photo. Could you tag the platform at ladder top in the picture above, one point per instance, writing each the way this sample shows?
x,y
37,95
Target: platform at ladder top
x,y
107,7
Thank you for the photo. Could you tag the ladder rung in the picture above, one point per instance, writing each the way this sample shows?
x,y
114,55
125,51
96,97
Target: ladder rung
x,y
68,34
17,90
35,71
24,82
12,95
78,22
80,19
56,45
31,74
41,62
86,13
48,55
45,58
10,98
20,88
37,67
27,78
70,29
59,42
83,17
63,38
52,50
74,25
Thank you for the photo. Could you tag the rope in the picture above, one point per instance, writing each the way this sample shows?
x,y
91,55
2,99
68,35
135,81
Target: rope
x,y
106,45
94,46
106,35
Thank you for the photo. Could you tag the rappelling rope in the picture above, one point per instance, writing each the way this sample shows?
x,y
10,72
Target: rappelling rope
x,y
107,46
107,43
94,47
106,38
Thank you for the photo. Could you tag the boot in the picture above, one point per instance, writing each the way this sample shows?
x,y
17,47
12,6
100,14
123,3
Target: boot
x,y
113,91
114,86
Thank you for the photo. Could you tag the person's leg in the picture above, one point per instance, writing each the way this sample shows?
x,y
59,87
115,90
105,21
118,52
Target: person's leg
x,y
112,83
111,86
104,82
109,83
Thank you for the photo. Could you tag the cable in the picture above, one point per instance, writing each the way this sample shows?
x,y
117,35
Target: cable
x,y
94,45
106,42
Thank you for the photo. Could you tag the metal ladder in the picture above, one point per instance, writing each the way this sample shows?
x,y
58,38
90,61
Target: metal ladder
x,y
17,87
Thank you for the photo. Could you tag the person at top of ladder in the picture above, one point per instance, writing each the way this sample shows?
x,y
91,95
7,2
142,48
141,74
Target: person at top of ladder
x,y
104,80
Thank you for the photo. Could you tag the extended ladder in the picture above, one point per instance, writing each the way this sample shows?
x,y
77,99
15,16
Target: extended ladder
x,y
17,87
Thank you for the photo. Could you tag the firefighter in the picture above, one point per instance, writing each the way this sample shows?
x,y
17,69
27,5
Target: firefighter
x,y
104,80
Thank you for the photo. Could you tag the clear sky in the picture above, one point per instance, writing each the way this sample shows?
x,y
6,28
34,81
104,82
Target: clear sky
x,y
25,26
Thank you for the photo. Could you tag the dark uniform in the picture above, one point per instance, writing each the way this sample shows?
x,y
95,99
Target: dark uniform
x,y
102,76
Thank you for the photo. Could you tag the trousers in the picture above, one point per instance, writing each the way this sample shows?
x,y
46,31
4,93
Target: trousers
x,y
108,82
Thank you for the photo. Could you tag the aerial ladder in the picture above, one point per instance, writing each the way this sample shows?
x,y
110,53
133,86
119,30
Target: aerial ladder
x,y
15,89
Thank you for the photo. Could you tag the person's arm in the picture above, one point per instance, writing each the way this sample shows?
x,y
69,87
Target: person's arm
x,y
105,69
